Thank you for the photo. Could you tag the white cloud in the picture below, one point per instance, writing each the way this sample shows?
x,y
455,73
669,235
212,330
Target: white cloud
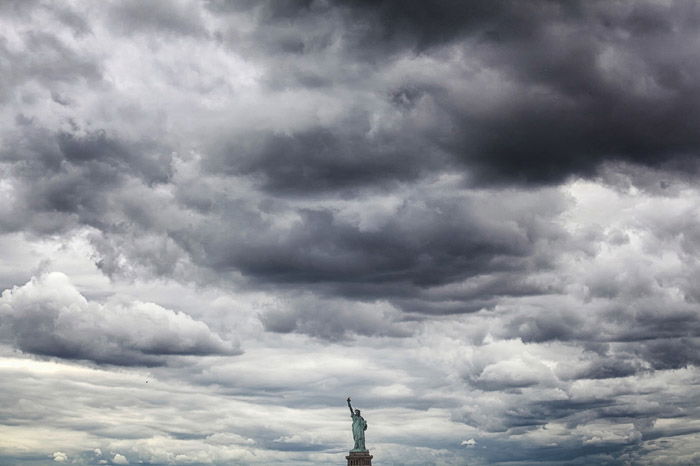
x,y
49,316
119,459
468,443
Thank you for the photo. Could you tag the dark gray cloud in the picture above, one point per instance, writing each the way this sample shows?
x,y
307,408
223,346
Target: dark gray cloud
x,y
176,18
337,320
582,82
64,179
71,18
421,25
585,95
385,26
428,242
624,339
46,59
325,159
146,160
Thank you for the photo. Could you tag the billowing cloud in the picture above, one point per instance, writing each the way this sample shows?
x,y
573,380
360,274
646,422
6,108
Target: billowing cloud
x,y
49,317
119,459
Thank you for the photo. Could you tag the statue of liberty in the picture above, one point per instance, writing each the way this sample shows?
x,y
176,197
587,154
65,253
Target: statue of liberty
x,y
359,426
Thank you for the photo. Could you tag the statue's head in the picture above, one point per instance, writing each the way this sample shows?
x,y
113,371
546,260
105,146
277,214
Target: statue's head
x,y
357,412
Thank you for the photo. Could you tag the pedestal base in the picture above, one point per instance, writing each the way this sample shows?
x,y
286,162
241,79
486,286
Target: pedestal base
x,y
359,458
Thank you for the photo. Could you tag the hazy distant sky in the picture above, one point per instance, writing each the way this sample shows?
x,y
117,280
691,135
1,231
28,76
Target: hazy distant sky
x,y
480,219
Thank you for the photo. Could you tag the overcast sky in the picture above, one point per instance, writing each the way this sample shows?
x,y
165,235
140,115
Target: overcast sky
x,y
480,219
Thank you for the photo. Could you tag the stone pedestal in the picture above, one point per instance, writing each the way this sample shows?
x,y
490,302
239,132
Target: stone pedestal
x,y
359,458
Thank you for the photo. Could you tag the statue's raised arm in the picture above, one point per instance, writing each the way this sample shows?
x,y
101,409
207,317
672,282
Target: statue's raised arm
x,y
350,406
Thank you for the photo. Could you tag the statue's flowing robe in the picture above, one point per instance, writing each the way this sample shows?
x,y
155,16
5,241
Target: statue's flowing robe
x,y
359,425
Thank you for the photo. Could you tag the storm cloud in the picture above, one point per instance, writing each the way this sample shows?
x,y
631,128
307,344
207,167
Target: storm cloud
x,y
218,219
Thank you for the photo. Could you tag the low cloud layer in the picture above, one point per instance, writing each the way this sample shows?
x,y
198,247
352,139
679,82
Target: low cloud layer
x,y
49,317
